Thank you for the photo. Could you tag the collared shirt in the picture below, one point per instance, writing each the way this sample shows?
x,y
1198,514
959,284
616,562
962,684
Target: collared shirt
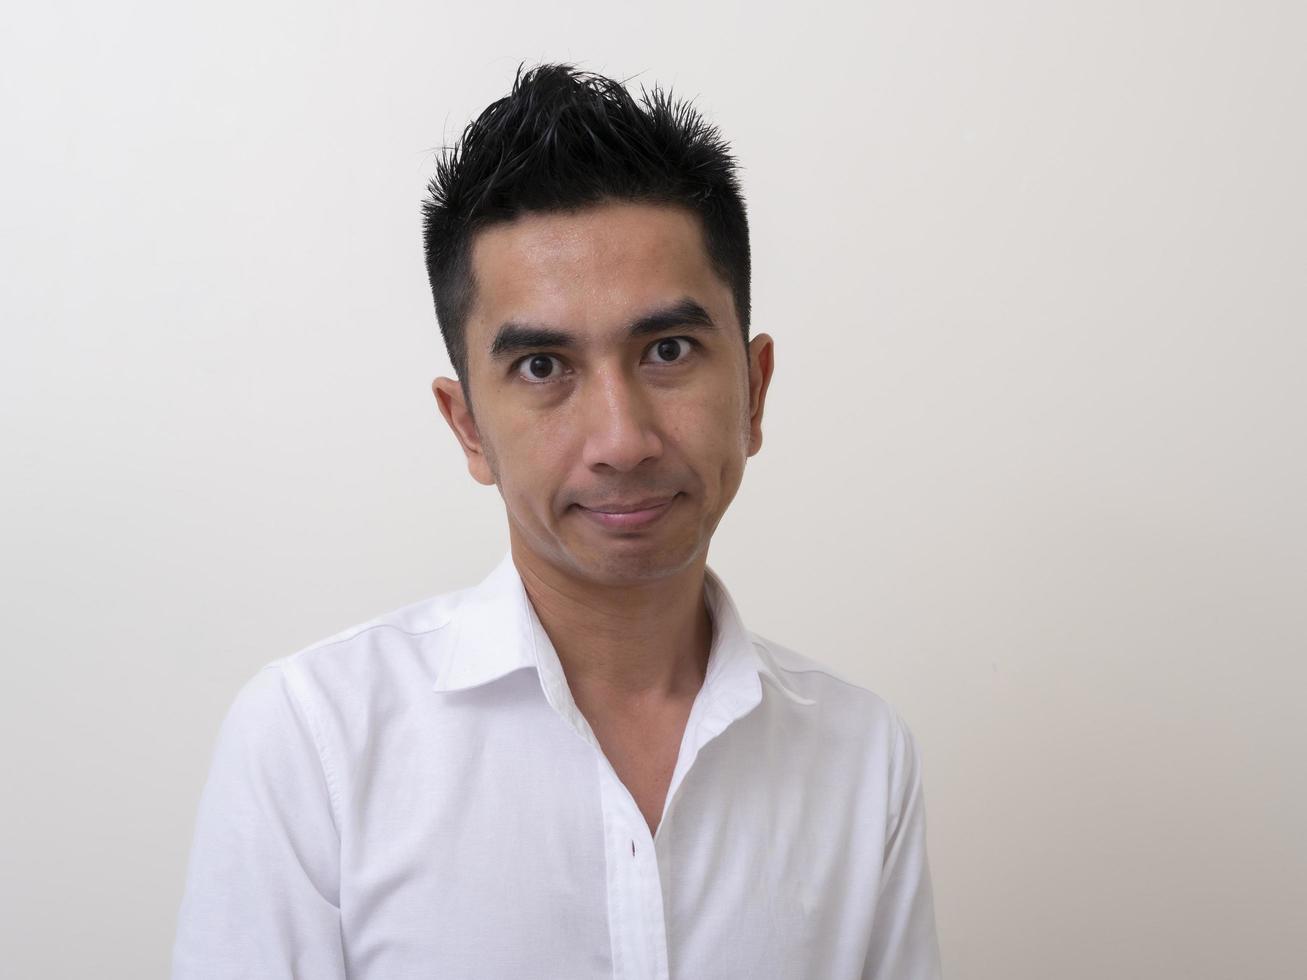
x,y
419,797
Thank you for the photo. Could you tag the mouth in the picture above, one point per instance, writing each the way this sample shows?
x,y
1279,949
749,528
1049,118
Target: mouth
x,y
636,514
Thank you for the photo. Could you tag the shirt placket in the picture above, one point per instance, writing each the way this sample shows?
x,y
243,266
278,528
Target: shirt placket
x,y
636,911
636,922
635,896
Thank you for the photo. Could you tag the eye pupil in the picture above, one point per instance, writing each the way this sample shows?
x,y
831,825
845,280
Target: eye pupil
x,y
541,362
668,349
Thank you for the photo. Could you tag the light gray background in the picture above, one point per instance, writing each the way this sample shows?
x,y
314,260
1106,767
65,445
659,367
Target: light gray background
x,y
1034,465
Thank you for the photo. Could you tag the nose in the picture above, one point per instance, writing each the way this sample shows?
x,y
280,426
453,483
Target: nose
x,y
619,421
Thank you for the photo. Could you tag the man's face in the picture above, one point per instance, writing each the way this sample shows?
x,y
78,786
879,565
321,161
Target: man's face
x,y
601,417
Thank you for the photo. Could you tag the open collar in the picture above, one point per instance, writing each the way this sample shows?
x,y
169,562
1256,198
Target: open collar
x,y
495,631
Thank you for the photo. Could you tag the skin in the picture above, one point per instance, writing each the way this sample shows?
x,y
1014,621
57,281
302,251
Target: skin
x,y
614,419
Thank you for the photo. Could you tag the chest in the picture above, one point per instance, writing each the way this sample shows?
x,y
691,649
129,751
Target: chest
x,y
480,846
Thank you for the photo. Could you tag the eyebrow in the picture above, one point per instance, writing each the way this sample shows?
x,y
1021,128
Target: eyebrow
x,y
516,338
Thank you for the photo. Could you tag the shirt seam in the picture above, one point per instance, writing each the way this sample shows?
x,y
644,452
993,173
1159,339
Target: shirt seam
x,y
349,637
294,687
826,672
820,670
894,795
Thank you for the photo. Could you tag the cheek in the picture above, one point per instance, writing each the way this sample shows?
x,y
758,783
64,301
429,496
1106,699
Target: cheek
x,y
533,457
714,433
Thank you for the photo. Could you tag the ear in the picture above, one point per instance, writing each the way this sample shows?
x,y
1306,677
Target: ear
x,y
449,396
761,362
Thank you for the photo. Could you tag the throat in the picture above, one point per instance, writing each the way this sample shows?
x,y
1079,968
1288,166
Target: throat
x,y
643,749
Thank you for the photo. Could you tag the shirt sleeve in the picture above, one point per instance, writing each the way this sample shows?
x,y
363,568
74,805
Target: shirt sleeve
x,y
263,881
904,944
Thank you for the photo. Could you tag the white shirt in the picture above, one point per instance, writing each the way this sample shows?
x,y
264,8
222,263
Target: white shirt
x,y
419,797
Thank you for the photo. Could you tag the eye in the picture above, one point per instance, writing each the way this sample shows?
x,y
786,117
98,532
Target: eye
x,y
667,350
537,368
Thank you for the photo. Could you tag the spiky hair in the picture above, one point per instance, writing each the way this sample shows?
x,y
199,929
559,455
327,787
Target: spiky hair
x,y
563,139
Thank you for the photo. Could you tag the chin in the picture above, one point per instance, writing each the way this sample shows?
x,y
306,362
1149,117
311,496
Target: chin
x,y
630,561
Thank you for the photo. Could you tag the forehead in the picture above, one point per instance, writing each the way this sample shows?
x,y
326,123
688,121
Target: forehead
x,y
590,269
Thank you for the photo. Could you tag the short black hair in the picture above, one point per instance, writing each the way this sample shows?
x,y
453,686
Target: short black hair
x,y
563,140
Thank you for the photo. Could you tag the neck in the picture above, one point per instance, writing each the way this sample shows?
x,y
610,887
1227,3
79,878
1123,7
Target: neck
x,y
629,645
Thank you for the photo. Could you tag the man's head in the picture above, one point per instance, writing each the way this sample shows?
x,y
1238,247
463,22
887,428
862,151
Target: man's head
x,y
589,260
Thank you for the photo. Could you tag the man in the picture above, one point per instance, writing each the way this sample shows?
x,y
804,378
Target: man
x,y
585,766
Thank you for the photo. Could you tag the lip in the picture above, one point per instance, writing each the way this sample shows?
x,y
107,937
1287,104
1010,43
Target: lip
x,y
624,516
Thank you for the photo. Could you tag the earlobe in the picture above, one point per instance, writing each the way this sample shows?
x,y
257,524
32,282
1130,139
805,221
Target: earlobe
x,y
453,406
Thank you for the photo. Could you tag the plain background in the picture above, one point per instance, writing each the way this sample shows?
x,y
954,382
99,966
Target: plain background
x,y
1034,469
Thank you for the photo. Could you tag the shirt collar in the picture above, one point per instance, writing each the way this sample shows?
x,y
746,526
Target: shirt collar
x,y
496,631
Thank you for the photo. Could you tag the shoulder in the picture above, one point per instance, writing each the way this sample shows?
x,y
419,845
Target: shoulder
x,y
847,706
853,727
396,654
814,677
